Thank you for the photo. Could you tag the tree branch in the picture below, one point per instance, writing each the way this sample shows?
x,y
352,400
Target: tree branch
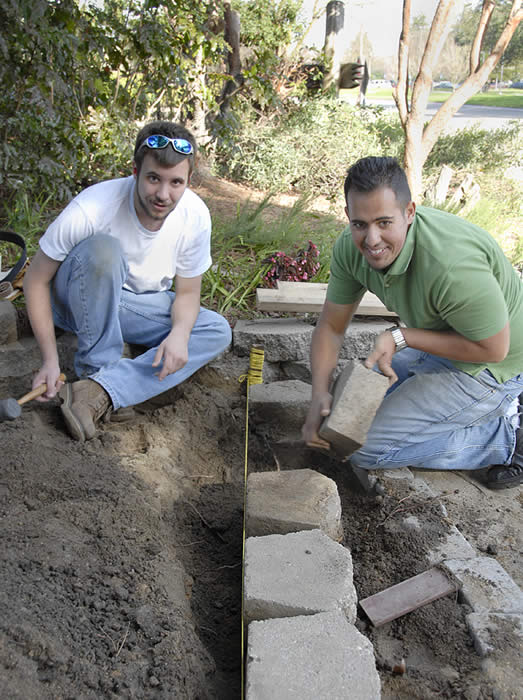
x,y
486,14
473,83
435,40
402,87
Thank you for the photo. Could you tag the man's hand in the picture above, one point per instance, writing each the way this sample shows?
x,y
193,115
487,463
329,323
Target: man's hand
x,y
319,408
48,375
173,352
384,349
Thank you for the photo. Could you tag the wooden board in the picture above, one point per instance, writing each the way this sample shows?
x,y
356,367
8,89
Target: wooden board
x,y
310,296
406,596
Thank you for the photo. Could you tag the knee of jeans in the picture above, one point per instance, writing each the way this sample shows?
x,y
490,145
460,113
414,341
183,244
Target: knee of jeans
x,y
103,252
224,331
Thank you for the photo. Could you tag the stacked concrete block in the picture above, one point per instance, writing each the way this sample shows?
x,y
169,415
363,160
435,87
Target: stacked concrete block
x,y
317,657
289,501
282,339
301,573
360,337
358,394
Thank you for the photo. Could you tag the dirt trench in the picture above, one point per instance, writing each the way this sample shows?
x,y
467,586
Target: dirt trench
x,y
121,558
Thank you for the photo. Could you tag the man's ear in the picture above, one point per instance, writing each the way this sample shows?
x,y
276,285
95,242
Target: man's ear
x,y
347,212
410,211
135,170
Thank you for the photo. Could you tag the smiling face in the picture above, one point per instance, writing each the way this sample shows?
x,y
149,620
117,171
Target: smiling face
x,y
378,224
158,190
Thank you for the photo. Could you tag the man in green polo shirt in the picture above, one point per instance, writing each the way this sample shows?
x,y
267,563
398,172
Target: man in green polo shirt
x,y
456,368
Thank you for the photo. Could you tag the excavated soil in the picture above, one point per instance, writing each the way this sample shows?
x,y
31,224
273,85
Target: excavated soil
x,y
121,558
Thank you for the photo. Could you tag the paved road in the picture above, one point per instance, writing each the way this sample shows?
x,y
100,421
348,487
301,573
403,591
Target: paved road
x,y
468,115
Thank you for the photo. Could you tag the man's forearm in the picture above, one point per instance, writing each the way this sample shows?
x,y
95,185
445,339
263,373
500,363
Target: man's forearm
x,y
184,312
325,348
38,303
454,346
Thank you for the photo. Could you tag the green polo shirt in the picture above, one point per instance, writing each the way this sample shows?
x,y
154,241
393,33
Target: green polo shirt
x,y
449,275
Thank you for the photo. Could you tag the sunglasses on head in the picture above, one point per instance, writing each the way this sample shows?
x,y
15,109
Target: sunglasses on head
x,y
159,141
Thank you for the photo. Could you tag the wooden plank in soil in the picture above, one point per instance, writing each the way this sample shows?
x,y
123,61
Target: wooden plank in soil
x,y
407,596
310,296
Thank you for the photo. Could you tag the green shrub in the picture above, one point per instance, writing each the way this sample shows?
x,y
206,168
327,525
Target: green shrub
x,y
478,148
308,147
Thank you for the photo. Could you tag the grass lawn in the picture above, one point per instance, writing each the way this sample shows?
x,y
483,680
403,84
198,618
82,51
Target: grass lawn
x,y
507,97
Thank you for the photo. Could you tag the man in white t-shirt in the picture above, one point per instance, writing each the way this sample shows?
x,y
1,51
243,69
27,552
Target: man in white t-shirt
x,y
104,270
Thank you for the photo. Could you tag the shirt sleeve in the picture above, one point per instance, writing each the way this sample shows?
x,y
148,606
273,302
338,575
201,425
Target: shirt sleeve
x,y
343,287
66,231
195,257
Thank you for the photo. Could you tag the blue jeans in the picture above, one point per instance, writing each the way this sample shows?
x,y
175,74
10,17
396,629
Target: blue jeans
x,y
438,417
89,300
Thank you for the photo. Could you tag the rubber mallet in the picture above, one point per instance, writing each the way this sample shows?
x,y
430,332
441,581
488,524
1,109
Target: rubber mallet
x,y
11,408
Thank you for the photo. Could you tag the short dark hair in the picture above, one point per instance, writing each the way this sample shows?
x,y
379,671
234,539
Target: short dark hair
x,y
164,156
372,173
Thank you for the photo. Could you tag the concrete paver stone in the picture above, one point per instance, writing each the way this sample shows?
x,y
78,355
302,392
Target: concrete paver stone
x,y
358,393
486,627
281,338
301,573
485,585
288,501
317,657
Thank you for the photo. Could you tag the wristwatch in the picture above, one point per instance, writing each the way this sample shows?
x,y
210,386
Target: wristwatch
x,y
399,338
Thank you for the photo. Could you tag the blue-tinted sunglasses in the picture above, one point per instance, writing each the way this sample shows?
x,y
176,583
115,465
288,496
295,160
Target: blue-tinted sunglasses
x,y
159,141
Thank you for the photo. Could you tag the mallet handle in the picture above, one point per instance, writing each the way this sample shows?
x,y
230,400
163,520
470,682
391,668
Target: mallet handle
x,y
38,391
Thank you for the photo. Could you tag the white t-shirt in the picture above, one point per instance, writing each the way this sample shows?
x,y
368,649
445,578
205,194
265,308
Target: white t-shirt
x,y
180,247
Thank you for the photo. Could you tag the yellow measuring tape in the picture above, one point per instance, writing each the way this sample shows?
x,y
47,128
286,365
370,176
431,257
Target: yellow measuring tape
x,y
254,376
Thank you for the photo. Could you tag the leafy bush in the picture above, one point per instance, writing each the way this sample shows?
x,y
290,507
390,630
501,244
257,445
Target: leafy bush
x,y
478,148
308,147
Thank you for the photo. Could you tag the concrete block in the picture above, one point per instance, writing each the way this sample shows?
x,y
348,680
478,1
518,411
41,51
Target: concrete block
x,y
302,573
318,657
360,337
358,394
8,333
285,403
485,585
454,546
281,339
225,371
289,501
496,631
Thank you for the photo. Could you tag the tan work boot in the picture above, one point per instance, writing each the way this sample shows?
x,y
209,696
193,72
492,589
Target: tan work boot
x,y
84,403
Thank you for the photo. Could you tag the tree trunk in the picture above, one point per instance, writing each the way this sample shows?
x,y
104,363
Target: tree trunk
x,y
419,140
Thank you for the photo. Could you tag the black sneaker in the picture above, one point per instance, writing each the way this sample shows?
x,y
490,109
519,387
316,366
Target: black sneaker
x,y
504,476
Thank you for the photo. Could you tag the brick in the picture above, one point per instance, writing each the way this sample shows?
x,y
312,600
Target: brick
x,y
288,501
282,339
485,585
490,630
358,394
301,573
310,658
